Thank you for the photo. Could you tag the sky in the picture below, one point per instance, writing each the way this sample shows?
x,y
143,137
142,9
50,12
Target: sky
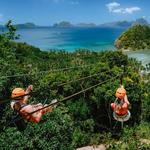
x,y
48,12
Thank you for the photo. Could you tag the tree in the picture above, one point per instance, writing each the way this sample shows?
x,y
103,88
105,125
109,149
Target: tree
x,y
11,34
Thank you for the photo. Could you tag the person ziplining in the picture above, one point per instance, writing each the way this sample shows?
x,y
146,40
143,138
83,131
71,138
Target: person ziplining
x,y
34,112
20,105
121,105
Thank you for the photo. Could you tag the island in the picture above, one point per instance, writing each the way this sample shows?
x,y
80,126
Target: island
x,y
135,38
63,24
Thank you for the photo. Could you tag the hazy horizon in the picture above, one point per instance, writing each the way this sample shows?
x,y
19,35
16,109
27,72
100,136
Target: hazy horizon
x,y
48,12
75,23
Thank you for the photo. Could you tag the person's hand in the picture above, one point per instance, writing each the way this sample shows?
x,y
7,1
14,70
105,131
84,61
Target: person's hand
x,y
118,107
121,86
29,89
53,102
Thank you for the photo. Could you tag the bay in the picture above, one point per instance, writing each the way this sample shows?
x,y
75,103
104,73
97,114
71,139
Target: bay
x,y
70,39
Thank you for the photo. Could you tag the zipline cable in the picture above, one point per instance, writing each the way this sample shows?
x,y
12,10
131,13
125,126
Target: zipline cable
x,y
73,95
83,78
34,93
51,70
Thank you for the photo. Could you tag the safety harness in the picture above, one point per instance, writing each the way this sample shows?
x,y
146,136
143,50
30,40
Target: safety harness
x,y
18,120
124,117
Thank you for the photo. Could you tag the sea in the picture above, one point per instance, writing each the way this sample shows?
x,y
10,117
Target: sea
x,y
71,39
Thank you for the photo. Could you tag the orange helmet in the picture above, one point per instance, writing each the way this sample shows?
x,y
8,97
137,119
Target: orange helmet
x,y
17,92
120,93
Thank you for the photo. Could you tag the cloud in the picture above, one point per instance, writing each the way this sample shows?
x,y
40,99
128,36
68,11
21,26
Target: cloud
x,y
118,10
130,10
112,6
115,7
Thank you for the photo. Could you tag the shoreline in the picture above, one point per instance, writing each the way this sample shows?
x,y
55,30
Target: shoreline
x,y
141,55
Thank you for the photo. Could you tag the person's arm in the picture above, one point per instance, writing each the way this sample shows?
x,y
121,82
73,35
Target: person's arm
x,y
28,90
126,100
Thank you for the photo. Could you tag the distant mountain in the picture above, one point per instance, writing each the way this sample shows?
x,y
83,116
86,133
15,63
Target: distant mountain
x,y
63,24
86,25
67,24
26,25
140,21
118,24
23,25
125,24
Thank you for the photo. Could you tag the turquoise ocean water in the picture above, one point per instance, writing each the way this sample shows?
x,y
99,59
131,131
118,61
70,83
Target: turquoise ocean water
x,y
70,39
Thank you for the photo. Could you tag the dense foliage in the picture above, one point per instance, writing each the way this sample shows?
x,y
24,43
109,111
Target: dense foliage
x,y
135,38
87,118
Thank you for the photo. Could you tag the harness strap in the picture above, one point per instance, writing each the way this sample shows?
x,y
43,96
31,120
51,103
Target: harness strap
x,y
125,117
18,120
18,111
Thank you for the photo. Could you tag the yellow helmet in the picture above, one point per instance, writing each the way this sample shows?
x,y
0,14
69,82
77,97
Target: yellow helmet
x,y
17,92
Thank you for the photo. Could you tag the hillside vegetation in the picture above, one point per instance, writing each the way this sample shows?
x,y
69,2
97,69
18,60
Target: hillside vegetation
x,y
87,118
135,38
